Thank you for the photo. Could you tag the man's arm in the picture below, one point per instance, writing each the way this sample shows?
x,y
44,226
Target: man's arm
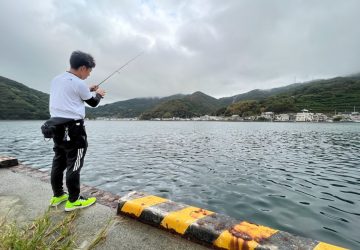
x,y
94,101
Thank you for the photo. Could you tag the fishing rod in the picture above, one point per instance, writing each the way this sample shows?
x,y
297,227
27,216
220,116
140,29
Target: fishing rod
x,y
117,71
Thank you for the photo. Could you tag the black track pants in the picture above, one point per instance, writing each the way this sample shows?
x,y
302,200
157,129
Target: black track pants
x,y
69,154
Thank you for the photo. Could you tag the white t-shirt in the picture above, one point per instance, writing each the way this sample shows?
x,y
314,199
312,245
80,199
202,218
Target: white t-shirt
x,y
67,95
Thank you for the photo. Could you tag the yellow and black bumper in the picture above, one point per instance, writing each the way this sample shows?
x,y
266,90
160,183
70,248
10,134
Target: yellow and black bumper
x,y
210,228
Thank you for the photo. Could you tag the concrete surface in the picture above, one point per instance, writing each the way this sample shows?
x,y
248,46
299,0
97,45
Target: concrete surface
x,y
23,198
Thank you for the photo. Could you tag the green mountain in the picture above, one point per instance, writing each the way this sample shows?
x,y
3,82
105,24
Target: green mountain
x,y
257,94
21,102
196,104
129,108
341,94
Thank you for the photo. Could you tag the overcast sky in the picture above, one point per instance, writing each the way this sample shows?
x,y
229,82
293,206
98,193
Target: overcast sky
x,y
221,48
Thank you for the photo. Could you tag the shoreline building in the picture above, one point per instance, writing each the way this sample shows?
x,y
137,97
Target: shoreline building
x,y
268,115
282,117
305,116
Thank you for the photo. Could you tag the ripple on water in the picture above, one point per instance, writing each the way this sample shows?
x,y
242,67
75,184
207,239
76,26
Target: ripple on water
x,y
302,178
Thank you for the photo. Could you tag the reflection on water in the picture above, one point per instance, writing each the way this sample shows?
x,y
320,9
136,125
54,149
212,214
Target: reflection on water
x,y
297,177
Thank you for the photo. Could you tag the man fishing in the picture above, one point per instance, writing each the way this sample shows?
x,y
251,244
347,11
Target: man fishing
x,y
68,96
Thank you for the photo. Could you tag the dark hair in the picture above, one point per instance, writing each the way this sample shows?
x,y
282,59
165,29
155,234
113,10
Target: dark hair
x,y
79,58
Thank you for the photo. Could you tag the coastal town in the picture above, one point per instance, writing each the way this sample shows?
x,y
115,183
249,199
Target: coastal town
x,y
303,116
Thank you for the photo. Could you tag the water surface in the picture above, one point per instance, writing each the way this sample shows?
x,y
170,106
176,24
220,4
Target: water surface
x,y
303,178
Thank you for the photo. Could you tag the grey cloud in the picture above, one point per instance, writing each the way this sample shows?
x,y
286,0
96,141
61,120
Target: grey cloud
x,y
218,47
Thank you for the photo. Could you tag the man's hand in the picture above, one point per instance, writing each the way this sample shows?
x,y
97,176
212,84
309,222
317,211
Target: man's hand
x,y
93,87
100,92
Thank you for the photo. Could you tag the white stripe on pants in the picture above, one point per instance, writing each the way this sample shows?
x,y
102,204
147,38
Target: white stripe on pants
x,y
78,159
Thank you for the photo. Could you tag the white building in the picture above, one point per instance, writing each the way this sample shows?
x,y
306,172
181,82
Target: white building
x,y
319,117
268,115
235,118
282,117
355,116
210,118
305,116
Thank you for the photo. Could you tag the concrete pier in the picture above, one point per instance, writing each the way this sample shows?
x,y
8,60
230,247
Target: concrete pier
x,y
25,194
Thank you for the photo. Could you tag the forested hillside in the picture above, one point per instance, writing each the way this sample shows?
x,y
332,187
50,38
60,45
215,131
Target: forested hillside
x,y
339,94
196,104
326,96
21,102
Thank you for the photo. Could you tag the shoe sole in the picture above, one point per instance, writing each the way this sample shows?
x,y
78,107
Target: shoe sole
x,y
79,207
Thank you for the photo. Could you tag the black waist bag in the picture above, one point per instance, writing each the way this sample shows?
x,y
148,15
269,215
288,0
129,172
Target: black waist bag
x,y
49,128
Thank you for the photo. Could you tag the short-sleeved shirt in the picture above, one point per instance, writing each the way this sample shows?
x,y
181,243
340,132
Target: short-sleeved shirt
x,y
67,95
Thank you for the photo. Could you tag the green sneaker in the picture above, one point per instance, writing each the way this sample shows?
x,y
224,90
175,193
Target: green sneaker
x,y
79,203
57,200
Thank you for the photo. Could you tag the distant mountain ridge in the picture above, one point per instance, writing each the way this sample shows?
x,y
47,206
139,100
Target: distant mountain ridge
x,y
257,94
192,105
21,102
341,93
128,108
